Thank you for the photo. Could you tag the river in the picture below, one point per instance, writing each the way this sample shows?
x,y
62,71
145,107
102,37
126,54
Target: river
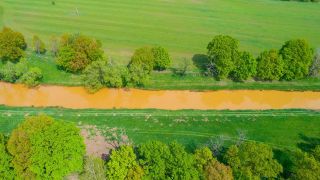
x,y
79,98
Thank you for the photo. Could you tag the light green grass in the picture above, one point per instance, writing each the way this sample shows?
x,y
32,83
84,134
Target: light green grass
x,y
278,128
183,26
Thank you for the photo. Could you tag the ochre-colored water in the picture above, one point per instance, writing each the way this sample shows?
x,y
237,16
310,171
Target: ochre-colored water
x,y
79,98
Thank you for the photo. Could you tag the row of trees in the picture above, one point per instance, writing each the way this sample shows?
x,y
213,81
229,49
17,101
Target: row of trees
x,y
43,148
293,61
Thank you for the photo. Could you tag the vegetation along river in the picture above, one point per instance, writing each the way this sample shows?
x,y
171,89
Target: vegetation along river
x,y
79,98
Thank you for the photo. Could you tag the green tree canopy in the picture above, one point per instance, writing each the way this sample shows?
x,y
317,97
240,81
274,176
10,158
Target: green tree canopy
x,y
32,77
123,164
305,167
297,56
253,160
46,149
214,170
144,57
76,52
12,45
6,169
245,67
223,53
162,58
270,65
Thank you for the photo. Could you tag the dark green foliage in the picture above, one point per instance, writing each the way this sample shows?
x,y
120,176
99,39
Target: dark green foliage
x,y
297,56
31,78
162,59
123,164
46,149
12,45
76,52
6,169
245,67
223,53
252,160
270,66
38,45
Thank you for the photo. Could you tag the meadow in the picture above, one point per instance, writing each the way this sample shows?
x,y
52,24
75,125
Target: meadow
x,y
281,129
183,26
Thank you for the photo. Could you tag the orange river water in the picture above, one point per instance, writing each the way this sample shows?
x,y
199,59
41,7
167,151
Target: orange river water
x,y
79,98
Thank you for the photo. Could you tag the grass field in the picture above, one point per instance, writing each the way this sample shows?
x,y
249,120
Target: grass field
x,y
278,128
183,26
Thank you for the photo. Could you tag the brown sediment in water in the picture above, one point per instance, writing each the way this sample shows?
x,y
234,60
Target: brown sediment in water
x,y
79,98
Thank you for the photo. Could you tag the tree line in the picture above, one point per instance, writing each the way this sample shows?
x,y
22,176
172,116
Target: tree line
x,y
44,148
79,54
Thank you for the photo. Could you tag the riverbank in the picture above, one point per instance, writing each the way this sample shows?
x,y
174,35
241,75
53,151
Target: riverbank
x,y
79,98
285,129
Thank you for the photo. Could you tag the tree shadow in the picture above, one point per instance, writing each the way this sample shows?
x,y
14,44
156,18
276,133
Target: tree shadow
x,y
200,61
309,143
284,157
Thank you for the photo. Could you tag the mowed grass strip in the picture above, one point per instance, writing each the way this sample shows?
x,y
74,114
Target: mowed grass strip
x,y
279,128
183,26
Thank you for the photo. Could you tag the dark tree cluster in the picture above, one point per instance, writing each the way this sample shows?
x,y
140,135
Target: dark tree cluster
x,y
292,61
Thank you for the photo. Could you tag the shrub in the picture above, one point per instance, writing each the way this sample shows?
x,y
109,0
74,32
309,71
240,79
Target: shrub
x,y
93,76
143,57
32,78
162,59
38,45
76,52
270,65
139,74
8,73
6,169
43,148
223,53
245,67
12,45
297,56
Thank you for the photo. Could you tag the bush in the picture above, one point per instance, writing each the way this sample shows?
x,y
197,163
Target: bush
x,y
162,59
297,56
38,45
139,74
270,65
43,148
223,53
245,67
12,45
8,73
93,76
32,78
76,52
143,57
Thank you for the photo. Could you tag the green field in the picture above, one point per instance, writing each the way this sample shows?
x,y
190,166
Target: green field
x,y
278,128
183,26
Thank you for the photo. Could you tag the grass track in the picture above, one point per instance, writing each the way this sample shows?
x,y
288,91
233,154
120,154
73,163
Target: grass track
x,y
183,26
279,128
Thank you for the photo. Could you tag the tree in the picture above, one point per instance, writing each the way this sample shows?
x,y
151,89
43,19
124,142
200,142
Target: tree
x,y
153,157
6,169
162,59
270,66
122,163
202,156
93,76
143,57
54,46
12,45
76,52
245,67
315,67
43,148
253,161
223,53
316,153
214,170
183,67
31,78
94,169
139,74
38,45
181,165
8,73
297,56
305,167
115,76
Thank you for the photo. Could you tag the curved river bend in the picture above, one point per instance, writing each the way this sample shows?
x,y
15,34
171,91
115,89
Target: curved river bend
x,y
79,98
